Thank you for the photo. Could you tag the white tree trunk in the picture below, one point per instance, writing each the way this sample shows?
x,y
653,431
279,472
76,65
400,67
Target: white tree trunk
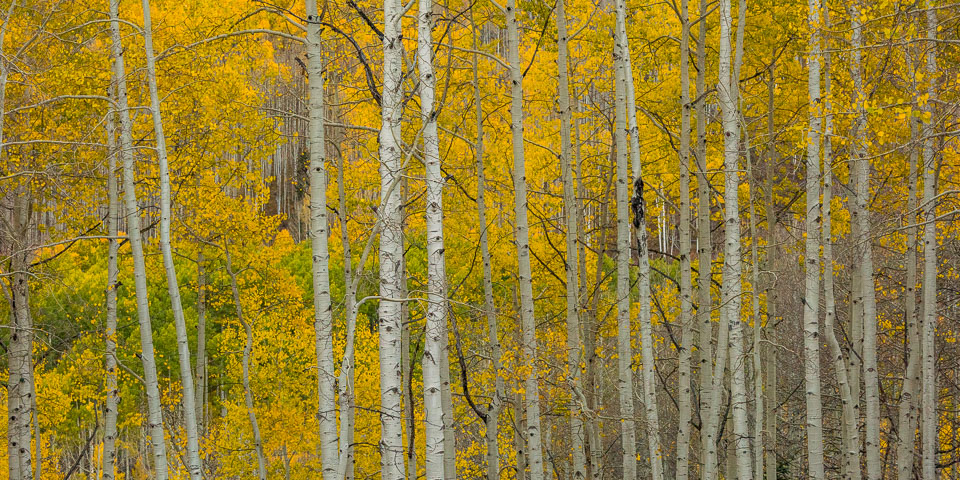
x,y
391,249
436,320
132,212
110,357
909,397
727,90
930,432
861,216
684,389
180,324
527,319
848,415
811,295
579,460
319,231
628,433
640,233
772,252
346,380
201,367
245,363
496,402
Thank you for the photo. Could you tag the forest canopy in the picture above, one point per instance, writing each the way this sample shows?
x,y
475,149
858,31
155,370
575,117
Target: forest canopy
x,y
441,239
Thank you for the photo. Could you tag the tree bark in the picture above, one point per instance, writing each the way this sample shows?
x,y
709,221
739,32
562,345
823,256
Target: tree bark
x,y
110,333
772,252
628,434
861,216
180,324
571,265
319,231
247,351
132,212
391,249
436,320
811,261
527,318
929,425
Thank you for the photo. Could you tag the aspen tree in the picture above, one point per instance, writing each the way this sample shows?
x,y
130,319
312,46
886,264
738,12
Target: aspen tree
x,y
201,364
728,92
245,365
757,357
524,278
346,381
491,422
628,434
319,231
861,217
570,259
391,248
640,233
180,324
436,321
772,252
110,333
708,443
685,391
811,259
848,415
909,397
928,415
132,212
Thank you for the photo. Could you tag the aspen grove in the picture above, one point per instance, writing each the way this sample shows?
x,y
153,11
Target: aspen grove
x,y
465,239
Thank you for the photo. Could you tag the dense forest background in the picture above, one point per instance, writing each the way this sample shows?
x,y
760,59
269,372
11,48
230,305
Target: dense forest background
x,y
565,239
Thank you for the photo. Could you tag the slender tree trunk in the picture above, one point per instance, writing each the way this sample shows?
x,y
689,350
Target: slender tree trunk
x,y
811,295
772,251
247,350
848,429
579,460
132,212
861,216
757,355
180,324
640,233
527,318
489,308
708,440
685,391
436,321
628,434
446,400
110,358
391,249
319,231
930,432
346,380
908,411
201,367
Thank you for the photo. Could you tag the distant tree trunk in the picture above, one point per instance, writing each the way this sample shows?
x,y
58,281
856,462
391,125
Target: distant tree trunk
x,y
132,212
861,216
436,320
685,391
908,412
247,350
319,231
757,355
571,265
811,295
928,414
492,426
628,433
110,334
527,319
772,252
180,324
391,249
201,367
